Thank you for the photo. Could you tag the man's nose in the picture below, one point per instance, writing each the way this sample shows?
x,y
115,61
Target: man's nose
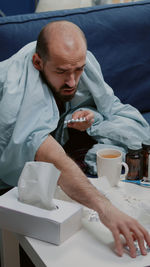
x,y
70,80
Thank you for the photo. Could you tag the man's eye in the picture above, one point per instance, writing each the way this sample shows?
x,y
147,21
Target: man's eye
x,y
60,72
80,69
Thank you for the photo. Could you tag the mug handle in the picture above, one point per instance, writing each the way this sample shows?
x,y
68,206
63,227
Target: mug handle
x,y
126,170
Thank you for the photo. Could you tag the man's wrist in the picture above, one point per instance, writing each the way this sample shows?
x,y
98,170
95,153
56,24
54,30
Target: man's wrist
x,y
103,207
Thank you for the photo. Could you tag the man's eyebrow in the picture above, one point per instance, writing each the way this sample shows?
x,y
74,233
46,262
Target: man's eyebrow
x,y
81,67
63,69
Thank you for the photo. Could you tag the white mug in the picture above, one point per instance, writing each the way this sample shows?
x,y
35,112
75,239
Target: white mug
x,y
109,164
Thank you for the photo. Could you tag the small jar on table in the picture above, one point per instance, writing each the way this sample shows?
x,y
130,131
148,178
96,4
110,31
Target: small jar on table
x,y
134,159
146,161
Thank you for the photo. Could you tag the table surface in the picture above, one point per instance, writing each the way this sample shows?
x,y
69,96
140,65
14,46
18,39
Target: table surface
x,y
93,245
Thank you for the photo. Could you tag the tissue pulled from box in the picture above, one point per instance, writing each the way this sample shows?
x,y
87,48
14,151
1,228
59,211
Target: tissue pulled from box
x,y
37,184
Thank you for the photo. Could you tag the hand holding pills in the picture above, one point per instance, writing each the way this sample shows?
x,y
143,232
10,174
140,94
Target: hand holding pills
x,y
75,120
81,120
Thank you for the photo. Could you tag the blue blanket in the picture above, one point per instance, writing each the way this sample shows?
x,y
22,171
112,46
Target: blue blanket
x,y
29,113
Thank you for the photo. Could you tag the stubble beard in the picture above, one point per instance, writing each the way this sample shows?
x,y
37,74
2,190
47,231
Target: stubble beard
x,y
58,95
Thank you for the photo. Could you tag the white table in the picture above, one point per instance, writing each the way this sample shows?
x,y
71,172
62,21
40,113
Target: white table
x,y
91,246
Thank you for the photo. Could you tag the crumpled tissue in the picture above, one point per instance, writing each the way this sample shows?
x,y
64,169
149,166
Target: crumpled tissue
x,y
37,184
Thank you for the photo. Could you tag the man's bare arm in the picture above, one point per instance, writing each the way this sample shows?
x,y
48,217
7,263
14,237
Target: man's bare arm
x,y
72,180
76,185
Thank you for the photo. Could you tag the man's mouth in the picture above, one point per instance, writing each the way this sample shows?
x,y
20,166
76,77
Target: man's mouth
x,y
68,91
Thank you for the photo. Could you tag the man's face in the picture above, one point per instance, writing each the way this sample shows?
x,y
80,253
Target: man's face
x,y
62,73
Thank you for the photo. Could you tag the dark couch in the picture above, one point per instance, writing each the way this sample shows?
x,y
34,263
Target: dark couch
x,y
118,35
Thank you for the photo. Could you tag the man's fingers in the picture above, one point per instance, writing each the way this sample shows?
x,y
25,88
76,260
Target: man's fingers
x,y
133,237
140,240
145,233
118,243
88,114
80,125
137,232
129,239
141,234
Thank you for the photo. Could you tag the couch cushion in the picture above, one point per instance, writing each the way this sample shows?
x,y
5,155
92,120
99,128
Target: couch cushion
x,y
147,116
118,35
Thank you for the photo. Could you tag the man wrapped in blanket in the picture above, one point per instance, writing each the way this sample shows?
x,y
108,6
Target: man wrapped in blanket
x,y
42,86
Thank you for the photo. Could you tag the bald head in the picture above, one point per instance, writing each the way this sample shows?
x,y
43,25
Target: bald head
x,y
61,57
60,36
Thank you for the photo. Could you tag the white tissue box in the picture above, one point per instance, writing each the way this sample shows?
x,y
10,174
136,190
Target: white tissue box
x,y
53,226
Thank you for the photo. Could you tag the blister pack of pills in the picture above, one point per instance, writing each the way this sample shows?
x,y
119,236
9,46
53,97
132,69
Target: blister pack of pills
x,y
75,120
138,251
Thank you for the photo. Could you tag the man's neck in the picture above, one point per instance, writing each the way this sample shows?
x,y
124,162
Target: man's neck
x,y
60,105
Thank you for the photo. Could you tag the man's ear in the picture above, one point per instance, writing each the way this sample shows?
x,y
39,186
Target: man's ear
x,y
37,62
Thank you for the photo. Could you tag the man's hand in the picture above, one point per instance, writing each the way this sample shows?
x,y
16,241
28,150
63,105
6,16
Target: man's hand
x,y
120,223
82,126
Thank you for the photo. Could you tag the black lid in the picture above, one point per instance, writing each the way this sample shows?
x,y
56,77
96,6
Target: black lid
x,y
146,146
131,150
